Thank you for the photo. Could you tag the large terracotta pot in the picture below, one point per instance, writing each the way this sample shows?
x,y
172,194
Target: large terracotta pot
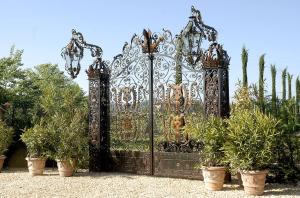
x,y
254,181
36,166
213,177
65,167
2,158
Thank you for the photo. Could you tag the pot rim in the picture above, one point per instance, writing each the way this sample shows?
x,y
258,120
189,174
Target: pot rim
x,y
2,157
35,158
254,172
64,160
213,168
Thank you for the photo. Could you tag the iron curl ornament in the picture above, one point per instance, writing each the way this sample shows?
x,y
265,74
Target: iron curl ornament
x,y
73,53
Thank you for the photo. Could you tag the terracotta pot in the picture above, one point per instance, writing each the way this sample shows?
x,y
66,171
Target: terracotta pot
x,y
36,166
2,158
65,168
213,177
239,178
254,181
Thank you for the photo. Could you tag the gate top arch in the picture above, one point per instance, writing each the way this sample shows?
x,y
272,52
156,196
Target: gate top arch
x,y
194,49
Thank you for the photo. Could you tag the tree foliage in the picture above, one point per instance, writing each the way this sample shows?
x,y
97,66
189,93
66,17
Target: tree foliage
x,y
273,75
289,77
283,76
244,57
261,86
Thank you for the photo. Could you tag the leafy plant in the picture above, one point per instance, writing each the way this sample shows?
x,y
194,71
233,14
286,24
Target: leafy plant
x,y
195,126
37,140
69,137
287,149
214,138
6,137
251,137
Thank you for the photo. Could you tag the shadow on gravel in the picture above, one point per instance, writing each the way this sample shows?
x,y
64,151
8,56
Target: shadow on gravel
x,y
104,175
283,191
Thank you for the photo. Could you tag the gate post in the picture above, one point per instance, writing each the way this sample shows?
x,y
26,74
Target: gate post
x,y
98,76
216,81
99,145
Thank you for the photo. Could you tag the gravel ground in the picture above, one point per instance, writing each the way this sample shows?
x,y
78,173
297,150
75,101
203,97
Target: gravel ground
x,y
18,183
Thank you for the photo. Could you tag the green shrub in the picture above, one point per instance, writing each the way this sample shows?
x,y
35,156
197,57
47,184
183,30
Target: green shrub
x,y
251,140
6,137
214,138
69,137
37,140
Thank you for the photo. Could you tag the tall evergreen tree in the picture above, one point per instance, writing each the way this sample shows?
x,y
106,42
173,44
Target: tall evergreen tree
x,y
290,77
261,82
244,56
178,67
273,75
283,84
298,97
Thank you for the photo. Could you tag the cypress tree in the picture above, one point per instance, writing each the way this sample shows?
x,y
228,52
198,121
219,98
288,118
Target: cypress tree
x,y
244,56
283,85
298,98
178,66
261,82
290,77
273,75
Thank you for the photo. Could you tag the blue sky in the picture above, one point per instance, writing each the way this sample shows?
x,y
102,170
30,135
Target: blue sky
x,y
42,28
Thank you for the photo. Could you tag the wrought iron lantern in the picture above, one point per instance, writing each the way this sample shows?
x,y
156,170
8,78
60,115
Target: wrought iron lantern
x,y
193,35
73,53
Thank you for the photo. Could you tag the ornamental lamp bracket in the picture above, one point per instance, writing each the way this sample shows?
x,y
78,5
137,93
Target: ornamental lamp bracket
x,y
73,53
193,35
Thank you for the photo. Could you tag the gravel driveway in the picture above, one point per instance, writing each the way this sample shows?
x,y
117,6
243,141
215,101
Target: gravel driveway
x,y
18,183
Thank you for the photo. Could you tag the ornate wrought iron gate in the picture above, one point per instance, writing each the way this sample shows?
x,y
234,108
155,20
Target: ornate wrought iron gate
x,y
143,102
189,77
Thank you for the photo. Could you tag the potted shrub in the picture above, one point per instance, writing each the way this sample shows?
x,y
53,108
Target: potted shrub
x,y
37,142
6,138
212,155
250,144
70,139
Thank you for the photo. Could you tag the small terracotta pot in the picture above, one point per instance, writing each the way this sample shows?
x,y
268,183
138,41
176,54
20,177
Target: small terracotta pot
x,y
36,166
254,181
213,177
2,158
65,168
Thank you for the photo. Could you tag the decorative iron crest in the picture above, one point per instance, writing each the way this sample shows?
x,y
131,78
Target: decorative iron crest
x,y
150,42
215,57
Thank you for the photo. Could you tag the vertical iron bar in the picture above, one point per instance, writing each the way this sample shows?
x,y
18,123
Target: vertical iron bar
x,y
219,73
151,57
